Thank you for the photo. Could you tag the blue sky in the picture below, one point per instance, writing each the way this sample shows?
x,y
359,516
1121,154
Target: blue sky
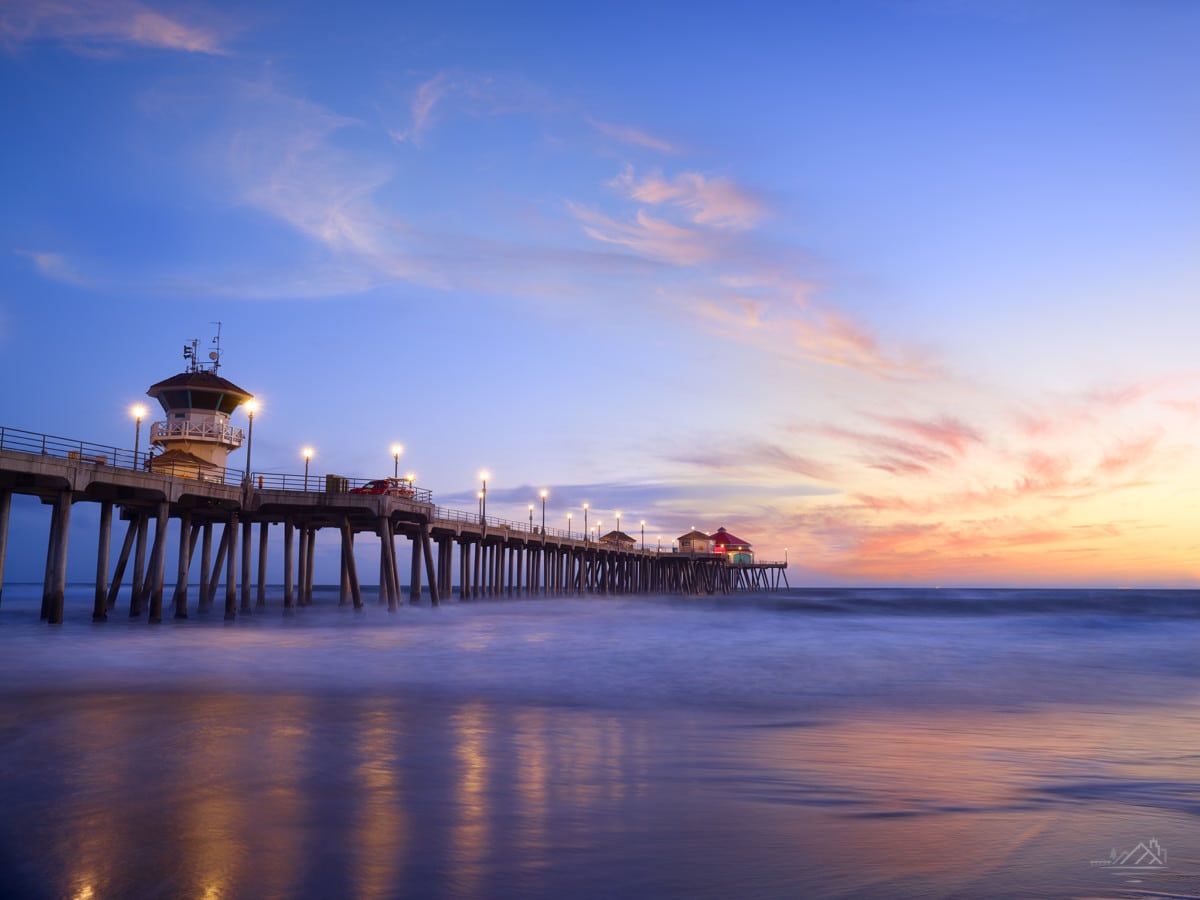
x,y
907,286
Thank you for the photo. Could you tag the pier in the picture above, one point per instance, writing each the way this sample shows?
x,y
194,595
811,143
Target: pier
x,y
493,557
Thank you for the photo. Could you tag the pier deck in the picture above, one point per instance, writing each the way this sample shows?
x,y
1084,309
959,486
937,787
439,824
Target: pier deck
x,y
494,556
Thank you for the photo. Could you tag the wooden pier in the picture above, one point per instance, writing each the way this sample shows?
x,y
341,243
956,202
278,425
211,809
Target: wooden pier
x,y
494,557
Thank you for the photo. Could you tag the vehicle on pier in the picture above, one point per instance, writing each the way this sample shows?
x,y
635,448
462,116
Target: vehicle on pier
x,y
392,487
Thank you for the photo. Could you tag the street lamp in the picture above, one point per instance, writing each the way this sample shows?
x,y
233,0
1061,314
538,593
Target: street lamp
x,y
544,493
586,533
397,449
483,498
643,534
598,524
618,523
479,495
785,562
251,409
411,478
568,526
531,518
137,411
308,454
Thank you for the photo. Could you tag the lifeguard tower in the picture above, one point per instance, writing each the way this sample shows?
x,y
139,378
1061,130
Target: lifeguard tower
x,y
196,439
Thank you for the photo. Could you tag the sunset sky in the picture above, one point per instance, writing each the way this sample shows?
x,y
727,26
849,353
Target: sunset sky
x,y
909,287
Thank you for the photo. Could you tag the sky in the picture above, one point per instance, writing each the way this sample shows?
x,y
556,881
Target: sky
x,y
910,288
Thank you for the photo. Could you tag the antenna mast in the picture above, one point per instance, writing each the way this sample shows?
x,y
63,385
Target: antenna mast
x,y
215,355
192,354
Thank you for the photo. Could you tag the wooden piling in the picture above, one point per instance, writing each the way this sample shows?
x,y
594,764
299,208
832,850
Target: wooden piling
x,y
103,545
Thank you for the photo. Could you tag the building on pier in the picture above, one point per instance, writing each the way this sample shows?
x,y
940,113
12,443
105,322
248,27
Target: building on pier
x,y
195,439
618,540
695,542
733,548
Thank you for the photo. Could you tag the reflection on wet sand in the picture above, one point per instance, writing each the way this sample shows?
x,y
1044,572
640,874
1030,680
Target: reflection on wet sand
x,y
221,795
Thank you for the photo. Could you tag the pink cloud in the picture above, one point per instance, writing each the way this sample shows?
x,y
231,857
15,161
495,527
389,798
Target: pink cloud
x,y
750,457
826,336
1127,454
648,236
713,202
93,24
947,431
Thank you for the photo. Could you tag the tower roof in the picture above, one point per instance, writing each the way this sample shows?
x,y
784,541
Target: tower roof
x,y
199,390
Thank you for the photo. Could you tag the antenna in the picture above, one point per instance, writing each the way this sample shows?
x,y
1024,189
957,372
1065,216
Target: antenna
x,y
215,355
189,353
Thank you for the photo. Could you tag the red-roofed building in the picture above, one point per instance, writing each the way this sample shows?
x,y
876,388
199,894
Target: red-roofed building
x,y
737,551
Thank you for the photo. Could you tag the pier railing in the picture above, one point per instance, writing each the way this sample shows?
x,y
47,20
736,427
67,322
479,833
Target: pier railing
x,y
88,453
67,448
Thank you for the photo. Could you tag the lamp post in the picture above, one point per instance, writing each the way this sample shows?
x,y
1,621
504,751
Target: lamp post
x,y
568,526
598,524
643,534
251,409
308,454
586,533
411,478
397,449
531,518
618,523
483,498
785,562
544,494
137,411
479,496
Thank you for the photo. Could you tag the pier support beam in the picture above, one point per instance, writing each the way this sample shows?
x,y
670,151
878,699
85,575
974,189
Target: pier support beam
x,y
5,512
247,540
205,566
231,531
57,553
122,561
183,564
260,600
435,598
348,560
289,564
158,562
100,602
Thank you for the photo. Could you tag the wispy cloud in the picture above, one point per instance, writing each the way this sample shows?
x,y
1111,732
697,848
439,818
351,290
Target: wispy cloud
x,y
744,460
649,237
92,26
633,136
285,162
429,94
714,202
56,267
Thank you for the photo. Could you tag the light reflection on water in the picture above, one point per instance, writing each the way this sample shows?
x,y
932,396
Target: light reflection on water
x,y
320,759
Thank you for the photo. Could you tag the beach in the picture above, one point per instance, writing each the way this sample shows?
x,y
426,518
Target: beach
x,y
799,743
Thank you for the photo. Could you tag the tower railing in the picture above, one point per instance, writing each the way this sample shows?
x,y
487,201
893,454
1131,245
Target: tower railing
x,y
226,435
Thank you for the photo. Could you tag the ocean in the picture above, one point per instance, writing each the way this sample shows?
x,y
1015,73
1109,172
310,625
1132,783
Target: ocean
x,y
802,743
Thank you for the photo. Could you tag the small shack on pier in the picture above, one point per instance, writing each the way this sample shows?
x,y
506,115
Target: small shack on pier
x,y
695,542
618,540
